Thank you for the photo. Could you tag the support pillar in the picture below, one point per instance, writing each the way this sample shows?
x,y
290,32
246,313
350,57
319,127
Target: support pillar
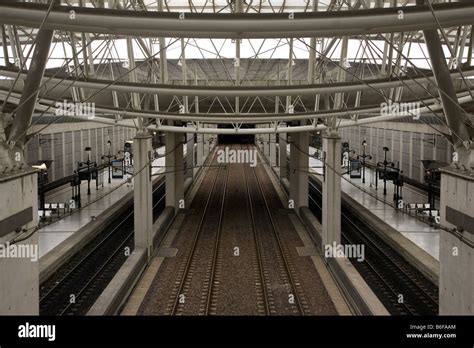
x,y
273,150
19,250
19,276
282,155
174,169
299,164
456,256
189,155
142,192
213,140
207,146
331,204
266,145
456,282
199,151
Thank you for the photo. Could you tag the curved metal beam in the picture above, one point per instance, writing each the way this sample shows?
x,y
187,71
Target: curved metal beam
x,y
238,25
277,128
242,91
31,86
255,118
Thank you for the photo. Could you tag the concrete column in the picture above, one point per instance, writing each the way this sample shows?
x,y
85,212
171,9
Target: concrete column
x,y
282,155
53,157
419,175
212,140
174,169
199,152
142,192
331,212
73,139
273,150
206,146
259,139
299,170
410,164
63,139
456,280
401,152
265,145
82,133
98,149
215,139
189,155
19,276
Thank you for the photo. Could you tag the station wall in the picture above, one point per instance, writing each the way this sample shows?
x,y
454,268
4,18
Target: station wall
x,y
409,143
64,144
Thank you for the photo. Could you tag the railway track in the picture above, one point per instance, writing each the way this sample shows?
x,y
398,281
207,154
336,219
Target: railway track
x,y
235,252
402,289
265,300
271,252
75,286
199,274
194,263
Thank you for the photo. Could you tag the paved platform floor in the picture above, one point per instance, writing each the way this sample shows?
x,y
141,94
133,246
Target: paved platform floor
x,y
420,233
52,235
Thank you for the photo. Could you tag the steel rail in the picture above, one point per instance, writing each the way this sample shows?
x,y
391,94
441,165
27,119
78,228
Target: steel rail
x,y
106,263
212,276
258,252
281,251
192,251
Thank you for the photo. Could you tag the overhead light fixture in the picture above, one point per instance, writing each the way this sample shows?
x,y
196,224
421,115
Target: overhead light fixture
x,y
41,166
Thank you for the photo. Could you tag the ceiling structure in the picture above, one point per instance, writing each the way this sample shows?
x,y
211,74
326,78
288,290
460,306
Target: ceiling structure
x,y
286,66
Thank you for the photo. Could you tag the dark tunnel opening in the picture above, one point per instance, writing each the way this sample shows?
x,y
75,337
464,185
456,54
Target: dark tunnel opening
x,y
236,138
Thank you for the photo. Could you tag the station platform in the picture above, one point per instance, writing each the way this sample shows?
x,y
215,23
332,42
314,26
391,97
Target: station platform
x,y
424,235
93,205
